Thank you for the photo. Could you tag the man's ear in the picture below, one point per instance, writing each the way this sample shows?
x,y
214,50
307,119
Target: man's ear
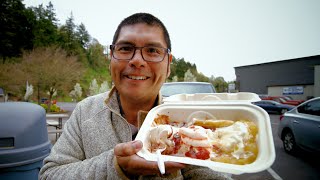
x,y
169,62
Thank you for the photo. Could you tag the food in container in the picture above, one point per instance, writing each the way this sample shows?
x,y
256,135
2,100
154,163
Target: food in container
x,y
192,120
208,139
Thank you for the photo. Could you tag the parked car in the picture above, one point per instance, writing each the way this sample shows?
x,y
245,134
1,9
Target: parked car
x,y
300,127
288,98
173,88
283,100
273,106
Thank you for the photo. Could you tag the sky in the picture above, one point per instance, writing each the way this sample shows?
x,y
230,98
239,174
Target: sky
x,y
216,35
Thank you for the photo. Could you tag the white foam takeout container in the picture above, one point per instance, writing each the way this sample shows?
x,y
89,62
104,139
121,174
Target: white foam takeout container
x,y
240,97
229,109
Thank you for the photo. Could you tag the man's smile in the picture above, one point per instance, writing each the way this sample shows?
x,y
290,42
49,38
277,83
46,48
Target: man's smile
x,y
137,77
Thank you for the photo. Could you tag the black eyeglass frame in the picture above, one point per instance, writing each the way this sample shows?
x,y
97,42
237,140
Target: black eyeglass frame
x,y
134,52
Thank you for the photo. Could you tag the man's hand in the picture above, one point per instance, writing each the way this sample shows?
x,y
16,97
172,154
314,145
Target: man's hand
x,y
134,165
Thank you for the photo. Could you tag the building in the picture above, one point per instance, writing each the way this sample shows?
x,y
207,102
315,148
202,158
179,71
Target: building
x,y
298,78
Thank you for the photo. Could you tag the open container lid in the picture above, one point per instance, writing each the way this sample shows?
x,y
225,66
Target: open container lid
x,y
240,97
180,107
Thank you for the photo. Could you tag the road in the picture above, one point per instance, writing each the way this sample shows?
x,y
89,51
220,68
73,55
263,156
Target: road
x,y
305,166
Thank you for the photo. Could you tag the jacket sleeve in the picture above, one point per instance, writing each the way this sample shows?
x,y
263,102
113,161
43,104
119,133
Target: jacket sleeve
x,y
67,159
203,173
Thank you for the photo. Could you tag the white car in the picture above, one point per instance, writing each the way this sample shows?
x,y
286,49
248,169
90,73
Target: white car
x,y
172,88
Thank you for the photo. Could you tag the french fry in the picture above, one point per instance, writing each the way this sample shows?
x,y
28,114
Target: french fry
x,y
212,124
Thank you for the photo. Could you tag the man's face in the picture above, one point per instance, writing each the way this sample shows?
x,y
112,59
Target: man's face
x,y
137,78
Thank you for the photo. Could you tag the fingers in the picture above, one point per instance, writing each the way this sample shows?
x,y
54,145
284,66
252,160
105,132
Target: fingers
x,y
140,166
127,149
133,164
173,166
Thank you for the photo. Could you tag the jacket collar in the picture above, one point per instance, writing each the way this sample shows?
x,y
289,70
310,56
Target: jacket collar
x,y
112,103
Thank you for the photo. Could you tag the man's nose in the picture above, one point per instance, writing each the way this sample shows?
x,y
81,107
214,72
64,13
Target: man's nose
x,y
137,59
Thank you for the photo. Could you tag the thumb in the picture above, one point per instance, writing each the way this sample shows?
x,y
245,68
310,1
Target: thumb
x,y
127,149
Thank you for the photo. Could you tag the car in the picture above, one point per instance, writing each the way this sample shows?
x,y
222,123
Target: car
x,y
300,128
172,88
288,98
273,107
263,96
283,99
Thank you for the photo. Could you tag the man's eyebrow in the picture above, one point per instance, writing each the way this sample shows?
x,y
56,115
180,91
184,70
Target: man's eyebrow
x,y
156,44
125,42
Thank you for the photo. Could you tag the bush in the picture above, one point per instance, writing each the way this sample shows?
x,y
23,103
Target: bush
x,y
45,106
53,108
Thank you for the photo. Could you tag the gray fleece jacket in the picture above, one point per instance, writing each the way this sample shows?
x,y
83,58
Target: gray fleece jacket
x,y
85,148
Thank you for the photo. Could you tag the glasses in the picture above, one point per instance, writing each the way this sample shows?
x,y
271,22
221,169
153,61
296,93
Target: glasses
x,y
148,53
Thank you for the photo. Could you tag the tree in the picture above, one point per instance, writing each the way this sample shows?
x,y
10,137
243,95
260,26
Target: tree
x,y
13,79
220,84
83,36
67,37
95,55
94,88
29,92
201,78
104,87
189,77
76,93
175,79
16,24
181,68
50,70
45,28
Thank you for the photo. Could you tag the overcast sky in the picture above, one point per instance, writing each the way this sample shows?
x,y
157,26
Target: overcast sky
x,y
216,35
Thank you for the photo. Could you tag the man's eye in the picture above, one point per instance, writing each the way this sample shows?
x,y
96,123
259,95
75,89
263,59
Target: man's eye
x,y
153,50
125,48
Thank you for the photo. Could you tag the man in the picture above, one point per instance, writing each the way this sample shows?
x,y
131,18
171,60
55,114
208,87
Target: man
x,y
97,139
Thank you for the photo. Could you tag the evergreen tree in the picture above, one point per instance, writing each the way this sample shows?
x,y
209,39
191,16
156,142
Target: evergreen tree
x,y
67,37
16,24
83,36
45,30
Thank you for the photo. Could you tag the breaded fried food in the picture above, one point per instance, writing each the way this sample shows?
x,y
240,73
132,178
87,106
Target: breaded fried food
x,y
161,119
212,124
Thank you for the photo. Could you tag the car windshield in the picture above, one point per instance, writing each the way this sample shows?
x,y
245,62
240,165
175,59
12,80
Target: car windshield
x,y
185,88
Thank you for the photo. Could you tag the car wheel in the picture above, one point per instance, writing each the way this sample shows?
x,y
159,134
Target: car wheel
x,y
283,111
289,143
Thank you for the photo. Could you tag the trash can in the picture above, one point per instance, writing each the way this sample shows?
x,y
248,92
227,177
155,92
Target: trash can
x,y
24,140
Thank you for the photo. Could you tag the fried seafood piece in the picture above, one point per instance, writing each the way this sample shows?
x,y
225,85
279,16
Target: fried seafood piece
x,y
212,124
161,119
160,137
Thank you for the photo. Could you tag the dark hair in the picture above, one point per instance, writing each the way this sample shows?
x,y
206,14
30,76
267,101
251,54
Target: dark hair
x,y
146,18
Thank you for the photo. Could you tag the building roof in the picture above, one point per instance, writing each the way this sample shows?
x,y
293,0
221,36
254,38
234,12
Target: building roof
x,y
283,61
